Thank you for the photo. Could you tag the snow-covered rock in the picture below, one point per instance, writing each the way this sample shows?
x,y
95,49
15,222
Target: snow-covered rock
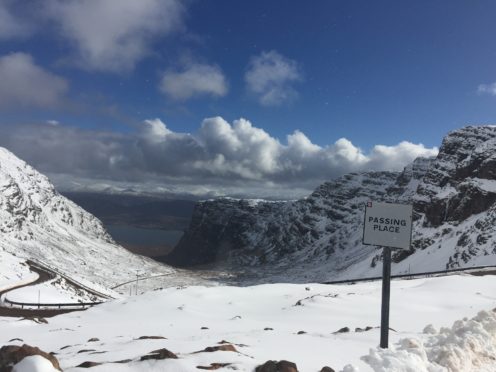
x,y
319,237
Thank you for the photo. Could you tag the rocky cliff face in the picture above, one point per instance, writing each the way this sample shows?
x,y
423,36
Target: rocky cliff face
x,y
320,237
38,223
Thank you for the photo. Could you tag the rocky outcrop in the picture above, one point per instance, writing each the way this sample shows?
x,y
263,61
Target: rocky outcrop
x,y
159,355
454,198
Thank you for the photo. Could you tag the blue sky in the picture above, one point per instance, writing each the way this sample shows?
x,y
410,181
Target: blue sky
x,y
374,73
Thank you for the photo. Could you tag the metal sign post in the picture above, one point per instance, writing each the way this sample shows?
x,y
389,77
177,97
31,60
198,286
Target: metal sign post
x,y
390,226
386,291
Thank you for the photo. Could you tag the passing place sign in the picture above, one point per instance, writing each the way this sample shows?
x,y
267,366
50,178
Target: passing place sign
x,y
388,225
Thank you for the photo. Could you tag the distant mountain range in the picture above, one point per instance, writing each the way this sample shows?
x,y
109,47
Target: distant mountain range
x,y
319,237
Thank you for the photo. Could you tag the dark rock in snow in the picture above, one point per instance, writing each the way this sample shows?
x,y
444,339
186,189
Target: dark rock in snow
x,y
88,364
159,354
13,354
326,369
214,366
152,338
85,351
273,366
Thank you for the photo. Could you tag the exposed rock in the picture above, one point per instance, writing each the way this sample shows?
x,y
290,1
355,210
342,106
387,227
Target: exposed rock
x,y
124,361
343,330
204,328
159,354
326,369
301,332
85,351
88,364
273,366
151,338
268,329
94,339
224,347
16,339
13,354
214,366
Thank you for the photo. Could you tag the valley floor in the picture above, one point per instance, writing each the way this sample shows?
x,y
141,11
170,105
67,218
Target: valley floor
x,y
295,322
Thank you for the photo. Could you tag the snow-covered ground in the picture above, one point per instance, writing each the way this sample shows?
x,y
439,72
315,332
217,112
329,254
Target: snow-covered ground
x,y
14,271
263,322
54,291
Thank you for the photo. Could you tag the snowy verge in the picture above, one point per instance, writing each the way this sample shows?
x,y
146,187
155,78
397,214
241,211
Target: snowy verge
x,y
468,346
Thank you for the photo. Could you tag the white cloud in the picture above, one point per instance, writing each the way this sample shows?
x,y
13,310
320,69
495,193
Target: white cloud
x,y
225,156
113,35
395,157
270,77
25,84
487,89
194,80
155,130
11,26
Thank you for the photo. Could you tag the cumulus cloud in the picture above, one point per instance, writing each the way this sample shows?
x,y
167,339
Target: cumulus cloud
x,y
114,35
11,26
25,84
194,79
270,77
395,157
487,89
218,156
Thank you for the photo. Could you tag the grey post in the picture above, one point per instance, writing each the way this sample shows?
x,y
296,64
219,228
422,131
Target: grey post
x,y
386,290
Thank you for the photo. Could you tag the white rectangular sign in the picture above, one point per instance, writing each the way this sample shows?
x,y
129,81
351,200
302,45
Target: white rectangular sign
x,y
388,225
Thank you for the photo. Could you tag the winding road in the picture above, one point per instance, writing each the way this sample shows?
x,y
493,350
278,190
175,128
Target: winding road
x,y
43,276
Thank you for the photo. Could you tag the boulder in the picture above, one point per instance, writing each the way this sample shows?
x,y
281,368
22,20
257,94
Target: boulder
x,y
273,366
13,354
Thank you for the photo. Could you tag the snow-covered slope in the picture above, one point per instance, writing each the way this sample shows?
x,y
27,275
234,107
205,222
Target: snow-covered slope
x,y
319,237
38,223
293,322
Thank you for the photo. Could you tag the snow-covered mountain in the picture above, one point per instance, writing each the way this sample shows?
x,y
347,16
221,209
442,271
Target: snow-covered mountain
x,y
37,223
319,237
